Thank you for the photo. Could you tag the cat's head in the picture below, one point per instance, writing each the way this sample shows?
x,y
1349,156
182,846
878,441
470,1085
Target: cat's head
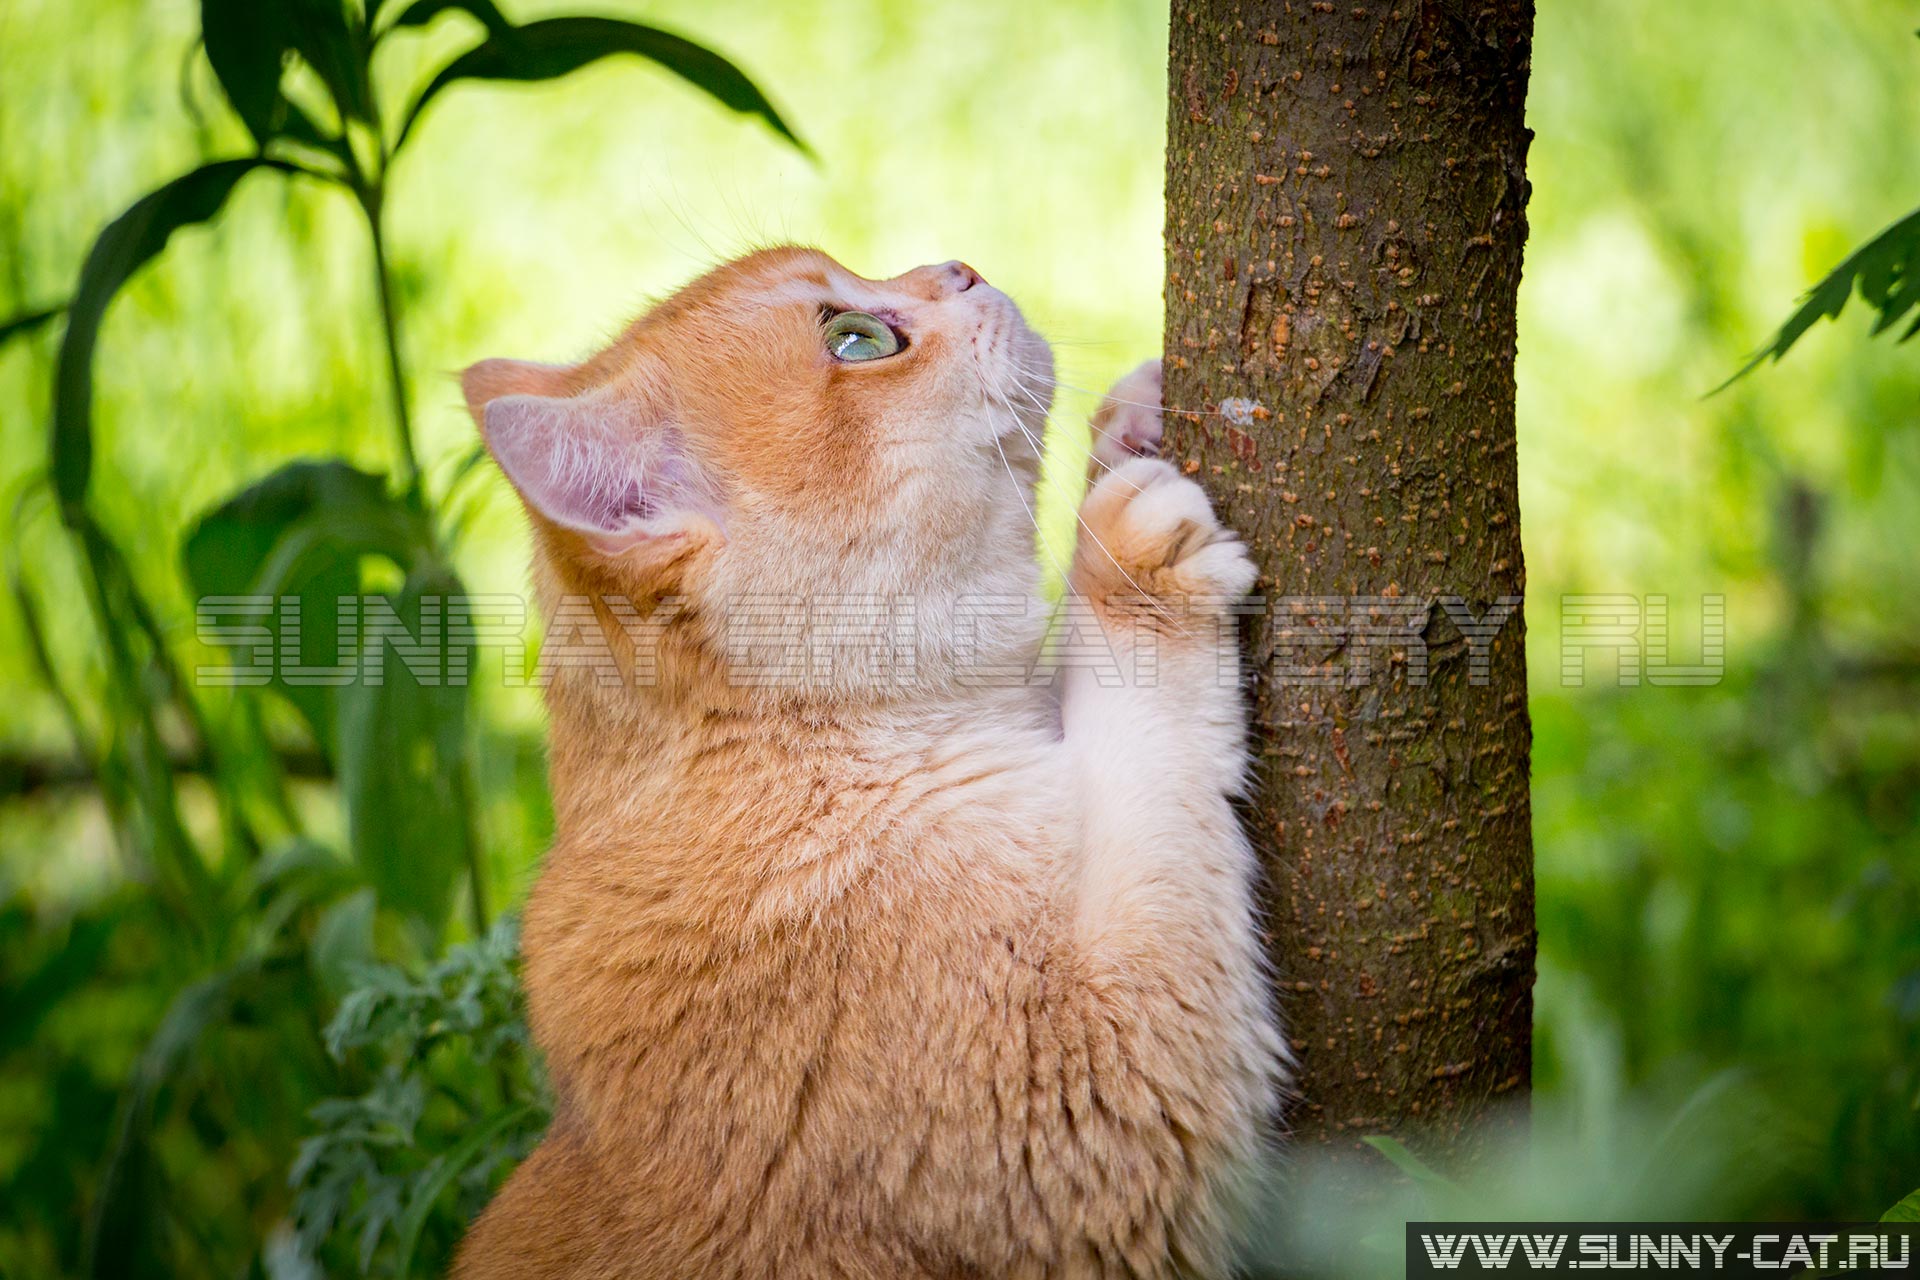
x,y
782,427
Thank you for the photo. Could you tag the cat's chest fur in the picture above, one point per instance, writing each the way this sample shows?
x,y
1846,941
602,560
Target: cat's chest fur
x,y
826,986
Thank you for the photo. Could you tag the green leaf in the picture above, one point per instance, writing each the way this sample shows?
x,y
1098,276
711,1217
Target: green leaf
x,y
1409,1164
229,548
26,322
1885,271
298,127
248,42
116,1239
343,942
555,47
442,1172
397,737
422,12
292,876
323,33
300,532
115,786
139,667
1908,1210
122,249
402,764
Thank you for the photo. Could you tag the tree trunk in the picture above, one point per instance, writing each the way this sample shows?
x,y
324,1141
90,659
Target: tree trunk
x,y
1346,197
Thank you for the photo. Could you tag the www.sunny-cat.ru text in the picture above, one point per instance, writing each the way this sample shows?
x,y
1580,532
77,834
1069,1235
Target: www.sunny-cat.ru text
x,y
796,641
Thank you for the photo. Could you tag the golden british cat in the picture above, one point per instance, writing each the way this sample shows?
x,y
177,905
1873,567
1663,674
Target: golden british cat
x,y
865,948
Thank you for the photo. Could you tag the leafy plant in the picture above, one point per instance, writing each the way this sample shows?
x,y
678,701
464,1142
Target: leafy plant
x,y
455,1099
251,929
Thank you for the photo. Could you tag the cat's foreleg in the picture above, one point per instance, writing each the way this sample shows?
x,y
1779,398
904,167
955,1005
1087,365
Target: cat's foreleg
x,y
1163,917
1156,727
1156,723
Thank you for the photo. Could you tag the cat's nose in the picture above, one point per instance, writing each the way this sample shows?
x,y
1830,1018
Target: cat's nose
x,y
958,277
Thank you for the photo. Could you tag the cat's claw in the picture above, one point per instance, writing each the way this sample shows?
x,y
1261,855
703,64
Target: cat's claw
x,y
1128,422
1150,529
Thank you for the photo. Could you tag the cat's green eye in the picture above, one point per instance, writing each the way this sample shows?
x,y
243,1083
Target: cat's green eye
x,y
855,335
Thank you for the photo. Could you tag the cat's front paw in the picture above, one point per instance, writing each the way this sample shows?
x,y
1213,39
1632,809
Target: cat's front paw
x,y
1148,531
1128,422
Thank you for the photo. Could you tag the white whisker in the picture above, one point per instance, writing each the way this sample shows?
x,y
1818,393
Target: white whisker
x,y
1093,450
1038,534
1085,528
1060,385
1088,530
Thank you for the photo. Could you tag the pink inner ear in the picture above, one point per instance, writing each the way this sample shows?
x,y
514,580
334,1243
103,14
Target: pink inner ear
x,y
589,463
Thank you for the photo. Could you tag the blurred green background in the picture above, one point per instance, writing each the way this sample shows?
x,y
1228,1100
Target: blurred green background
x,y
1729,875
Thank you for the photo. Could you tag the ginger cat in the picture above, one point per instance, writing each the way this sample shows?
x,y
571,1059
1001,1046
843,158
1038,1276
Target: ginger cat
x,y
861,951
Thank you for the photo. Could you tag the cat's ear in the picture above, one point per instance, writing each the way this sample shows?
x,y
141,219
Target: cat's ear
x,y
605,462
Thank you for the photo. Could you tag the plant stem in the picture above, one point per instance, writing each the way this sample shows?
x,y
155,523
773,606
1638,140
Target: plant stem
x,y
467,796
371,202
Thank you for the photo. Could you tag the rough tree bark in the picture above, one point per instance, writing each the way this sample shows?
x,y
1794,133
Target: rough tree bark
x,y
1346,197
